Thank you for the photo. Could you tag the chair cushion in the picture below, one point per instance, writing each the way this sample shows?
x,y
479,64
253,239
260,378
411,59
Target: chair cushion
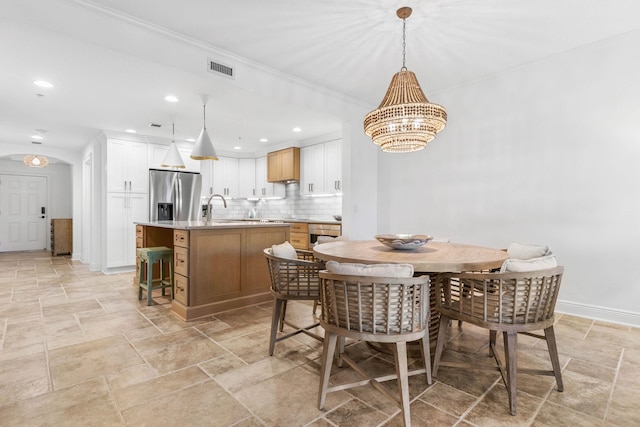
x,y
532,264
376,270
526,251
284,250
329,239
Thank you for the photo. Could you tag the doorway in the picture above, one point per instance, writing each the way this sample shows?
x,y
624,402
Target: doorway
x,y
23,213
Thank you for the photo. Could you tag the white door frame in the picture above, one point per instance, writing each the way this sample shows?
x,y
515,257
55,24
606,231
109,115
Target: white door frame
x,y
87,209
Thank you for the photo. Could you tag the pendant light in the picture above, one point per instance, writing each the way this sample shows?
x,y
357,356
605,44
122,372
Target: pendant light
x,y
35,161
405,120
173,159
203,150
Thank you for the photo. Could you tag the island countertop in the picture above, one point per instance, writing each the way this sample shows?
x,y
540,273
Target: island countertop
x,y
212,225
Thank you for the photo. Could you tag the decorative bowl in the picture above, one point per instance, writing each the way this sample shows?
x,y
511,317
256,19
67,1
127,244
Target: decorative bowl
x,y
337,217
403,241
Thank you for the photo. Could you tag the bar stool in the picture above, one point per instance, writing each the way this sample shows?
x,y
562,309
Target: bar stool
x,y
150,256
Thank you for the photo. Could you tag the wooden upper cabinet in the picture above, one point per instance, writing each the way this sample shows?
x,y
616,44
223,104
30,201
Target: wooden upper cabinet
x,y
283,165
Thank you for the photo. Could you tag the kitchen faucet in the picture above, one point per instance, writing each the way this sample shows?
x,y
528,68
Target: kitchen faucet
x,y
208,217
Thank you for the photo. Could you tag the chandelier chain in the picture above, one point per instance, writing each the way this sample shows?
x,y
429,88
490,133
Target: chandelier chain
x,y
404,42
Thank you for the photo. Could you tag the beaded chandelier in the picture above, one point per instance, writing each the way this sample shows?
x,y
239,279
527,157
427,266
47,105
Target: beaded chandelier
x,y
405,120
35,161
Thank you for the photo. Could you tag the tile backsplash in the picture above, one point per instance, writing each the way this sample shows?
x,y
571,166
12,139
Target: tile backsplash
x,y
294,205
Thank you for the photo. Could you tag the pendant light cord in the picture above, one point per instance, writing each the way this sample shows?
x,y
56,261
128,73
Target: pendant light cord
x,y
204,116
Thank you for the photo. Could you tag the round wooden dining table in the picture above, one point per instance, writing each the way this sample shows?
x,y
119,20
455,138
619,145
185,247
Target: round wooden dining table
x,y
431,259
434,257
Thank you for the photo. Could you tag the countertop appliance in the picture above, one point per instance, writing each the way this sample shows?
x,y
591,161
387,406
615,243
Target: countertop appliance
x,y
174,195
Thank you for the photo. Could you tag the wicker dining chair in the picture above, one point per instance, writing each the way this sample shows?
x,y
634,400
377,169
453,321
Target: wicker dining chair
x,y
376,309
510,303
292,279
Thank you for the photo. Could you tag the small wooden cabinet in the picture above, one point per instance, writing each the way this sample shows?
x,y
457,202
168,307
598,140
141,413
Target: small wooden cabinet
x,y
299,235
283,165
140,242
61,237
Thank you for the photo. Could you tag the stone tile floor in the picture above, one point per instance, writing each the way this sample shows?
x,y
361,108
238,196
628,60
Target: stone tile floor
x,y
77,348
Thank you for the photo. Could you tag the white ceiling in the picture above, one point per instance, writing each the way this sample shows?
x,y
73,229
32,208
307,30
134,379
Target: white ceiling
x,y
113,61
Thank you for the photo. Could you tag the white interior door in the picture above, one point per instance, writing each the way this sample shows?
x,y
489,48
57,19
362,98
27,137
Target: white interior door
x,y
23,225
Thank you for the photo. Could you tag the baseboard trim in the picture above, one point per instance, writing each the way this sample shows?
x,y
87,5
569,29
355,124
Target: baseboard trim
x,y
622,317
117,270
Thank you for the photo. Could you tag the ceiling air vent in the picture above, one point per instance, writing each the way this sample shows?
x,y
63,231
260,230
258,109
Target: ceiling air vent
x,y
155,125
214,66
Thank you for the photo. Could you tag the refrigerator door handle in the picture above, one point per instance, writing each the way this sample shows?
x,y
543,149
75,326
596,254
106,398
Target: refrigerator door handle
x,y
177,202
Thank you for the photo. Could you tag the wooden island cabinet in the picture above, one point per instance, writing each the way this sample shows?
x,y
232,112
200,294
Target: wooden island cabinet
x,y
217,267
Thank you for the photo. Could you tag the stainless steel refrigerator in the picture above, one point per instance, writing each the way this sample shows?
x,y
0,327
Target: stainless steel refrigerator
x,y
174,195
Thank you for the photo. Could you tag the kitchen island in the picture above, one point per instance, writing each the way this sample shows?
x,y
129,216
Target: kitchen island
x,y
218,266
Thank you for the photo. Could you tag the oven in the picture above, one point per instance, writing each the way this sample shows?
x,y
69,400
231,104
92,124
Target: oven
x,y
316,230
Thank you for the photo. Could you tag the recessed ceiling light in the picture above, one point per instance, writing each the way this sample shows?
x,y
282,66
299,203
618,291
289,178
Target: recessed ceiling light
x,y
296,129
37,136
191,140
237,147
264,140
131,131
171,98
42,83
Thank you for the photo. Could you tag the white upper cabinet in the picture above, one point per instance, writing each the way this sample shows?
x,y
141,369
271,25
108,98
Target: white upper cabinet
x,y
127,167
220,177
263,187
312,175
321,168
246,178
157,153
333,166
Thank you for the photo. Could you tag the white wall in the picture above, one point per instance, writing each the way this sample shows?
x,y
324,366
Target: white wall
x,y
359,175
544,153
